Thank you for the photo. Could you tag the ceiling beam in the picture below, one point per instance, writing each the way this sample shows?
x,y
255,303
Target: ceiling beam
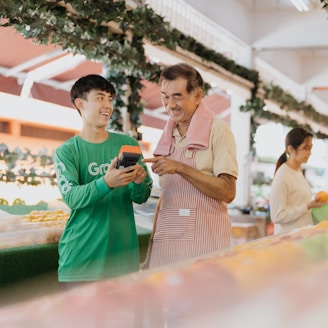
x,y
33,62
49,70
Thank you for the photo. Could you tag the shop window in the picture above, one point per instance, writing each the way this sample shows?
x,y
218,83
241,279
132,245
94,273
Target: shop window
x,y
4,127
45,133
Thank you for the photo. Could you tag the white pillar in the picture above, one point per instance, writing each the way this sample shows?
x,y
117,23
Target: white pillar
x,y
240,126
326,168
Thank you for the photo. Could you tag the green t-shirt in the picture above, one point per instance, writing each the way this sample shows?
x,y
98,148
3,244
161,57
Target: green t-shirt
x,y
100,238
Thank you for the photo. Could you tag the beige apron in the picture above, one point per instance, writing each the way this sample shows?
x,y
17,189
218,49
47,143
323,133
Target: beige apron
x,y
191,224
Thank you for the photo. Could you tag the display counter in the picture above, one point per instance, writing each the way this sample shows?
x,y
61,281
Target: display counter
x,y
276,281
29,236
247,227
23,262
20,263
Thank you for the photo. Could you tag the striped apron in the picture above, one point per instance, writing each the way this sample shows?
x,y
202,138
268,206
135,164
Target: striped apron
x,y
187,223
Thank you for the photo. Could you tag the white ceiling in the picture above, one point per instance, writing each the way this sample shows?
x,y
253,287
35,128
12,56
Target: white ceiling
x,y
295,43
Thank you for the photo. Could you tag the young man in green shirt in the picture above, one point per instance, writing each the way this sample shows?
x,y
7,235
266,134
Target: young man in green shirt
x,y
100,238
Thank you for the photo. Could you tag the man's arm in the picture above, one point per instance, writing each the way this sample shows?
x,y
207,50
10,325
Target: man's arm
x,y
222,188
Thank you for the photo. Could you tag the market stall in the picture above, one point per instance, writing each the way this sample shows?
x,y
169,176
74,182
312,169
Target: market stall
x,y
29,235
29,238
276,281
20,263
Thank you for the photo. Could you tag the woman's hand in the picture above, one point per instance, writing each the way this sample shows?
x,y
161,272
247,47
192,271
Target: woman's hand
x,y
316,203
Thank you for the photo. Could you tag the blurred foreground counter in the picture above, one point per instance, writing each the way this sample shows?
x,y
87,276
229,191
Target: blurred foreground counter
x,y
271,282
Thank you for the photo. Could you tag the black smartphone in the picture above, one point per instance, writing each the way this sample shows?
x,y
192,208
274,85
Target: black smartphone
x,y
128,155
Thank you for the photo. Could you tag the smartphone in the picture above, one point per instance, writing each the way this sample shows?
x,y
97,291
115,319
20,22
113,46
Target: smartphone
x,y
128,155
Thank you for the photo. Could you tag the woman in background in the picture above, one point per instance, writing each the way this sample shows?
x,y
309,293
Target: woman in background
x,y
291,196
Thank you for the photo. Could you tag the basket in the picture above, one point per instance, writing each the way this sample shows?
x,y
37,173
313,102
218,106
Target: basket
x,y
321,213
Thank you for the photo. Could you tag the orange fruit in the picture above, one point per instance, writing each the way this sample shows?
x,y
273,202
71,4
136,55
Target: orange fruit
x,y
322,196
322,225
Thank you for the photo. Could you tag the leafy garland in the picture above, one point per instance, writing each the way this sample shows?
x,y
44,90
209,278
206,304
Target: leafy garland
x,y
24,167
287,103
110,32
325,4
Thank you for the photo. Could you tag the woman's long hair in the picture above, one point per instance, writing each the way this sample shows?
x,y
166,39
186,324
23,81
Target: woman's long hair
x,y
294,138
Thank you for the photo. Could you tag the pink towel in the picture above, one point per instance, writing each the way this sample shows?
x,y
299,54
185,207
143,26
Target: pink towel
x,y
197,136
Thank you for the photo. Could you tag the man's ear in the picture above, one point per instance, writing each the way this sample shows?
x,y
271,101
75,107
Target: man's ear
x,y
78,102
199,95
